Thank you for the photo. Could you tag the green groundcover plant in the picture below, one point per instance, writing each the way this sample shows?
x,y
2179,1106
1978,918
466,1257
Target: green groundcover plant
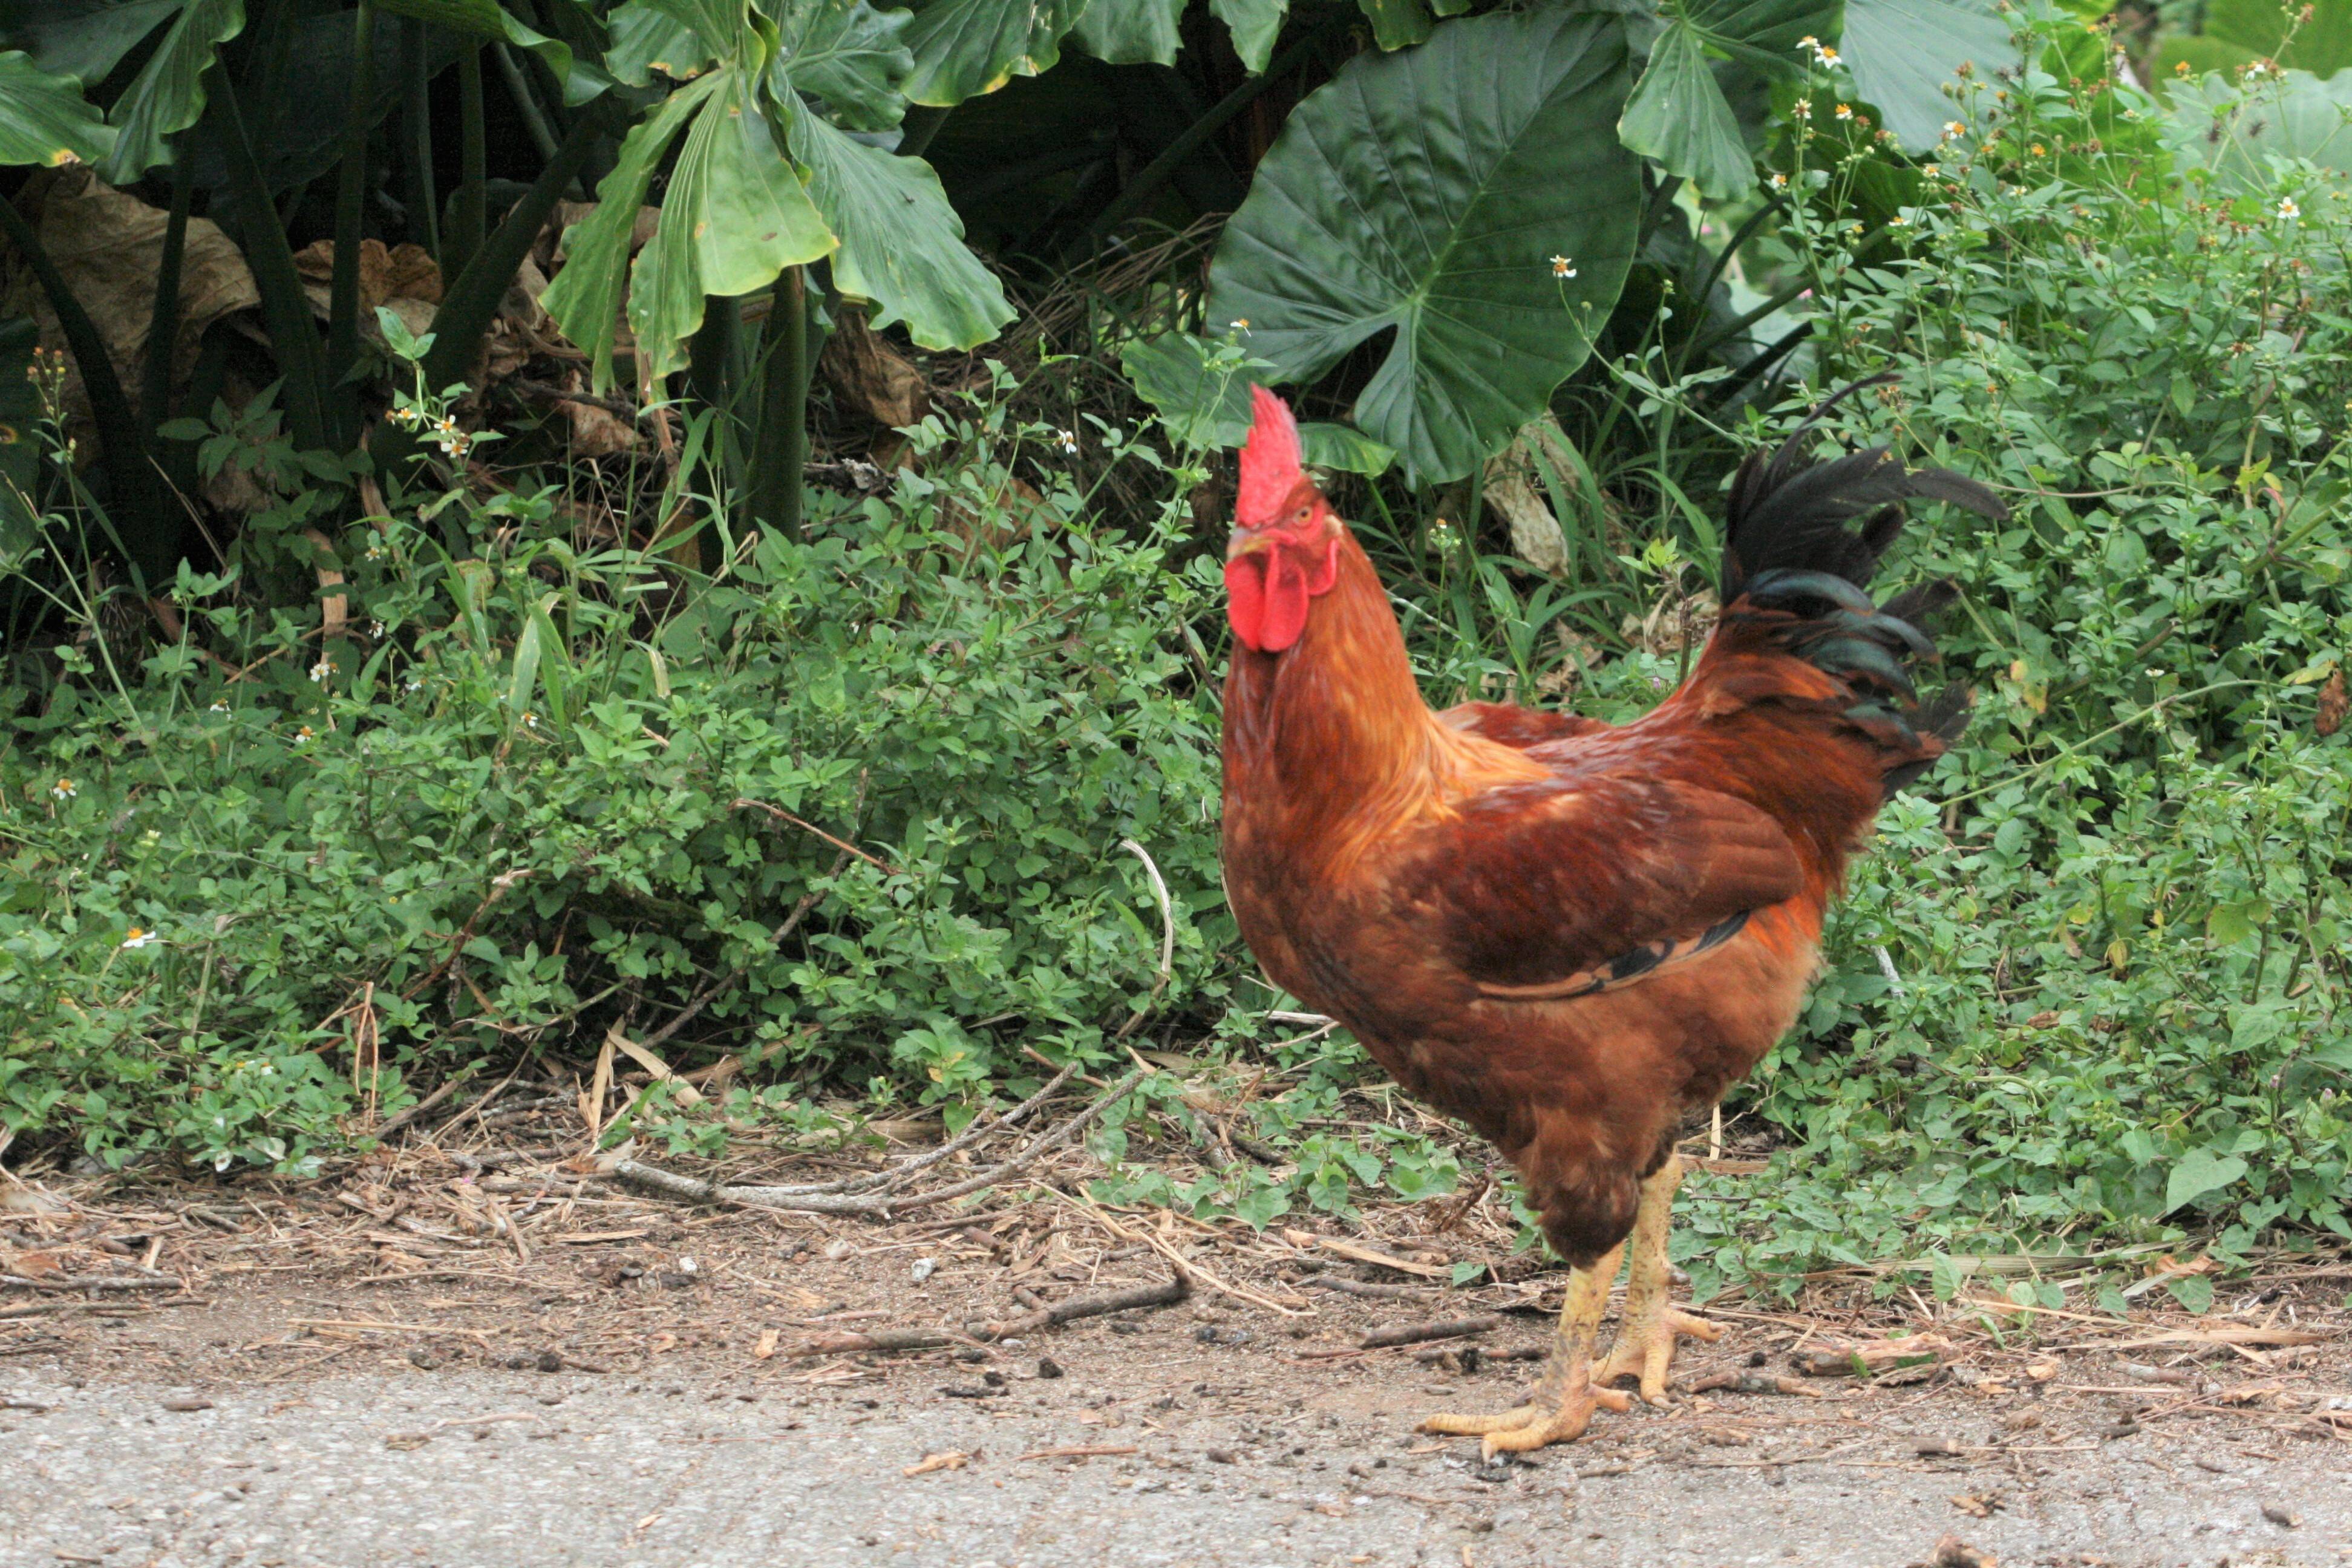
x,y
266,882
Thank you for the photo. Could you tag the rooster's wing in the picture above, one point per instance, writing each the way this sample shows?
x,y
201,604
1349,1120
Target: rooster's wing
x,y
1563,887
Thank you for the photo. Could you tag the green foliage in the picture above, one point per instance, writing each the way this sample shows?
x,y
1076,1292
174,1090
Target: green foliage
x,y
512,806
1426,193
2234,34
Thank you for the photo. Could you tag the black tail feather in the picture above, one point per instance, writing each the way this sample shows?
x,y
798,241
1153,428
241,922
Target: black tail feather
x,y
1792,553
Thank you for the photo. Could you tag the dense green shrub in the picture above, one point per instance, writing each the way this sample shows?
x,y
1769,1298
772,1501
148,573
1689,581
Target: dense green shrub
x,y
512,811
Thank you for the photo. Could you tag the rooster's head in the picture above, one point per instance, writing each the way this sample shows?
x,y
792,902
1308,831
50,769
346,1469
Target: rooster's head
x,y
1285,544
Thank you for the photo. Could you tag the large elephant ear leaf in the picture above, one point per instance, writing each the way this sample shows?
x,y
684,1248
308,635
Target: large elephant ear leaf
x,y
1130,32
901,244
45,120
167,96
1904,52
852,56
966,48
1678,113
1470,196
488,19
1254,24
734,216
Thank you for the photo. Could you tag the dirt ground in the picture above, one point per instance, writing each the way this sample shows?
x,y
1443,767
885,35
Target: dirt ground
x,y
481,1358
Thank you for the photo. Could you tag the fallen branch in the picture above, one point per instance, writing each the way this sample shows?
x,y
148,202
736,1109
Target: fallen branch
x,y
1085,1451
1754,1382
1443,1329
66,1283
1054,1316
1375,1292
1870,1359
1349,1250
849,1343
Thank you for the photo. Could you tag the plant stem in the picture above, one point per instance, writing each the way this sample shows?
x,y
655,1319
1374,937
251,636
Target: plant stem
x,y
472,297
915,132
119,448
471,219
350,213
163,321
424,205
781,445
285,307
1161,170
525,101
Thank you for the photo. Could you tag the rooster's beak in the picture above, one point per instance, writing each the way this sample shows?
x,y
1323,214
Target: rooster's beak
x,y
1244,542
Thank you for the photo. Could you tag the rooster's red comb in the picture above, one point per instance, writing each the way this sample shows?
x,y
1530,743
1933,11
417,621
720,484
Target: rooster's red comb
x,y
1270,460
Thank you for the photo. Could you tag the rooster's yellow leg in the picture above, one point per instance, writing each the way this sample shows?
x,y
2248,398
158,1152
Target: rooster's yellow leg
x,y
1566,1395
1646,1336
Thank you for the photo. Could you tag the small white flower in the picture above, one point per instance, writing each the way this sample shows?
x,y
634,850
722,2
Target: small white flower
x,y
65,789
220,708
376,629
320,670
1828,56
2288,210
1779,182
1931,170
137,939
1241,323
1561,267
1954,128
414,683
530,720
223,1161
305,735
375,552
1897,221
1845,112
1068,442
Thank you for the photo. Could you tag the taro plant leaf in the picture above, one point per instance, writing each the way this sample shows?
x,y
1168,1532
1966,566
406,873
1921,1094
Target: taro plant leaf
x,y
851,57
85,39
1130,32
901,244
44,119
167,96
1678,115
647,42
1903,52
488,19
1398,23
1201,392
964,48
2299,36
2236,129
1254,24
734,216
2197,1173
1425,193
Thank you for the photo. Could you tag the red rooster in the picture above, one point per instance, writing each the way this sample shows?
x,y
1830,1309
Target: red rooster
x,y
1571,933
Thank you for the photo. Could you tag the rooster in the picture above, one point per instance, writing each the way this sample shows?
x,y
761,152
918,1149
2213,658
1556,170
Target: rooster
x,y
1566,932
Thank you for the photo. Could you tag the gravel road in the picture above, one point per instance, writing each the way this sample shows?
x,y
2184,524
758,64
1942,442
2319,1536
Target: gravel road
x,y
481,1468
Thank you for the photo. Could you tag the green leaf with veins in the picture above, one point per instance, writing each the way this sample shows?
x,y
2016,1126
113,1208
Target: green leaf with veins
x,y
852,56
734,216
1130,32
1423,195
488,19
1254,24
964,48
648,43
1398,23
1678,115
901,244
44,119
1903,53
167,96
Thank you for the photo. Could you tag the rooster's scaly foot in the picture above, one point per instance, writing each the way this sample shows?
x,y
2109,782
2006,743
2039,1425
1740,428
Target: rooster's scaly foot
x,y
1645,1350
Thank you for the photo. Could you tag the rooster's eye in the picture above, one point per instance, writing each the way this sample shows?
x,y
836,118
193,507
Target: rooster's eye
x,y
1304,513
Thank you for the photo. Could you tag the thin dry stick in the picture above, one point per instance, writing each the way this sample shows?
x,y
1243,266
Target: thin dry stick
x,y
885,1204
843,845
1185,1267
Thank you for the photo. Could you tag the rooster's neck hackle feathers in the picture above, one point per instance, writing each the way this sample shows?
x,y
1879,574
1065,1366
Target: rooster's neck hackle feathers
x,y
1271,461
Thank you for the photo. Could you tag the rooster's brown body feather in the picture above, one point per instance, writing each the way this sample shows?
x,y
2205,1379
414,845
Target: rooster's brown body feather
x,y
1568,933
